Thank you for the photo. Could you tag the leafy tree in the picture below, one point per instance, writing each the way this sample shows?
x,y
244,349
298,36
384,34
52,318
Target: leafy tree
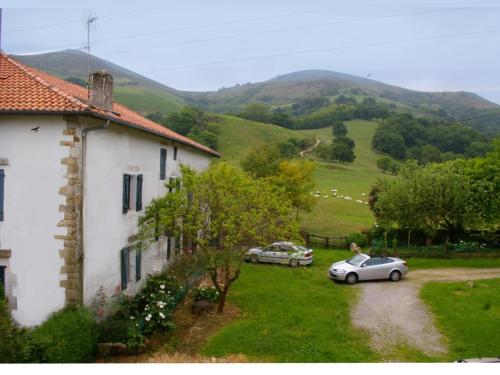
x,y
344,140
384,163
295,177
222,212
389,142
342,152
339,129
262,161
324,151
184,121
429,154
282,119
259,112
342,99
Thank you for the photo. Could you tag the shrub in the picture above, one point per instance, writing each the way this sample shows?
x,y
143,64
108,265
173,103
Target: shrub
x,y
356,237
68,336
206,293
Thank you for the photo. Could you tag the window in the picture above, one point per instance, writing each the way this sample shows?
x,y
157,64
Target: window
x,y
169,248
163,164
373,262
173,183
175,153
131,266
132,192
2,177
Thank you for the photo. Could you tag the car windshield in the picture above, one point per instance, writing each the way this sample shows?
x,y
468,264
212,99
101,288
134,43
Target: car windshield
x,y
356,260
300,248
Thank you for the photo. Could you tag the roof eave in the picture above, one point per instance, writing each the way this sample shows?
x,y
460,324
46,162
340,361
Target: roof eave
x,y
104,117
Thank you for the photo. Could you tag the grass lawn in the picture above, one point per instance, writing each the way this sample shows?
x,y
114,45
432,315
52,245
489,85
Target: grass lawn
x,y
335,216
421,263
468,316
292,315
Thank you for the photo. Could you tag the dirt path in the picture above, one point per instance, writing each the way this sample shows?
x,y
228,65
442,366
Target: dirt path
x,y
394,315
301,153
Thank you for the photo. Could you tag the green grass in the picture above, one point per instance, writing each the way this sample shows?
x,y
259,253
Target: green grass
x,y
421,263
237,136
335,216
292,315
146,100
468,316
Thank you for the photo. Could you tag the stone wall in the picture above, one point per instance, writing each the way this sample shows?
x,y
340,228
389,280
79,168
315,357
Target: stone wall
x,y
71,252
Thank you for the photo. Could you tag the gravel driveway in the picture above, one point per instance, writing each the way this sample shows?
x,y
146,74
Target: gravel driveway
x,y
393,313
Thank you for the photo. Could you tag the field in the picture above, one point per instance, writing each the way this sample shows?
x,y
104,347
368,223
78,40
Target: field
x,y
468,315
335,216
146,100
330,216
292,315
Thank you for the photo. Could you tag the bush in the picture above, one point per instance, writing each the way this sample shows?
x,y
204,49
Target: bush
x,y
206,293
68,336
356,237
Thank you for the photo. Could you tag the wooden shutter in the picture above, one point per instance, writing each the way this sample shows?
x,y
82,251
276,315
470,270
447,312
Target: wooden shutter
x,y
138,261
169,248
2,177
138,195
2,282
126,193
175,153
124,267
163,164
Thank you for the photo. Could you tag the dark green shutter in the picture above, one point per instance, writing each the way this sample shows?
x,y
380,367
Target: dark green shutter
x,y
175,153
124,267
138,195
163,164
126,193
2,177
138,260
169,248
2,282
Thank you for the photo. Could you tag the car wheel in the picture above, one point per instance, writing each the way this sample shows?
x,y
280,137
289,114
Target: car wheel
x,y
294,263
351,278
254,259
395,276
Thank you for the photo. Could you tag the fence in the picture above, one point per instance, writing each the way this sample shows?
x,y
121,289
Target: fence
x,y
313,240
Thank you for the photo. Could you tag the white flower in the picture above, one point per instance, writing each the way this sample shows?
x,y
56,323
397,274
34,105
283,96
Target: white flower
x,y
131,318
148,318
162,286
162,315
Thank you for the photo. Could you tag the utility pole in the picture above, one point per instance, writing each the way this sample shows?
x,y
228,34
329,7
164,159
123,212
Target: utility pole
x,y
0,29
90,20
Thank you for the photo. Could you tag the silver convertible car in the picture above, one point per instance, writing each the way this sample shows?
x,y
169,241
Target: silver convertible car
x,y
281,252
364,267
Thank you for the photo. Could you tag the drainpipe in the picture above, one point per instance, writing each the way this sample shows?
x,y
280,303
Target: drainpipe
x,y
84,154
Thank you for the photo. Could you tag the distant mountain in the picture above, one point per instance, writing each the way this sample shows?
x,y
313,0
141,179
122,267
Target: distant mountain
x,y
286,89
146,95
134,90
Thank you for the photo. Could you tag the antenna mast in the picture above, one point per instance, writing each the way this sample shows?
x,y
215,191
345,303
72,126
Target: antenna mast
x,y
90,20
0,29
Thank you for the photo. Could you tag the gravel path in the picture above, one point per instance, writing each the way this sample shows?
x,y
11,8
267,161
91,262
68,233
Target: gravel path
x,y
301,153
393,313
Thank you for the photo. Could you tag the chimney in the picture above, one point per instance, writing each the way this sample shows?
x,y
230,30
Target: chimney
x,y
101,90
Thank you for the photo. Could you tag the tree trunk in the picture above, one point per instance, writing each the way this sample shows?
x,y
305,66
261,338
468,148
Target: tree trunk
x,y
409,235
222,298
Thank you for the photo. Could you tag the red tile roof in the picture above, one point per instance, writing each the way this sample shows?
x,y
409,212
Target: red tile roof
x,y
24,89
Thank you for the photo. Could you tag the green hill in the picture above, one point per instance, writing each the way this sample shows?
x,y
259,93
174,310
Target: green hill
x,y
237,136
131,89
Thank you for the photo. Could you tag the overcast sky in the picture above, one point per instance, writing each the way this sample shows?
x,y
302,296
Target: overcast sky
x,y
204,45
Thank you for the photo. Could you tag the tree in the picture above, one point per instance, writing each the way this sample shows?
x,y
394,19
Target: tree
x,y
295,177
259,112
184,121
341,152
346,141
429,154
389,142
339,129
384,163
222,212
262,161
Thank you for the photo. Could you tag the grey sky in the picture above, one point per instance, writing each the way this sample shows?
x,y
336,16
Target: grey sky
x,y
204,45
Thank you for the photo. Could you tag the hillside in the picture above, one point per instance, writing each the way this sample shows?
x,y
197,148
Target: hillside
x,y
131,89
287,88
237,136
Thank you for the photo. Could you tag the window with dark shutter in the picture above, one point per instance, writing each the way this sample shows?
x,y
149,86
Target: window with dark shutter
x,y
2,282
124,257
126,193
2,178
169,248
175,153
138,194
163,164
138,264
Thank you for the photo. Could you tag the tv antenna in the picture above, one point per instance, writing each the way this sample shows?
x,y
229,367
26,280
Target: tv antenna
x,y
90,20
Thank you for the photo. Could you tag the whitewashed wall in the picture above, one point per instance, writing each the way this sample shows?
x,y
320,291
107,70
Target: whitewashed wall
x,y
32,181
111,153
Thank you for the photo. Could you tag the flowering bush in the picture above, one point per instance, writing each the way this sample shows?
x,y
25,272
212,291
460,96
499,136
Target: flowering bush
x,y
209,293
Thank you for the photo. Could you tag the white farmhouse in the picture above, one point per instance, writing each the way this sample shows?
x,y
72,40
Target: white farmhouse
x,y
76,172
